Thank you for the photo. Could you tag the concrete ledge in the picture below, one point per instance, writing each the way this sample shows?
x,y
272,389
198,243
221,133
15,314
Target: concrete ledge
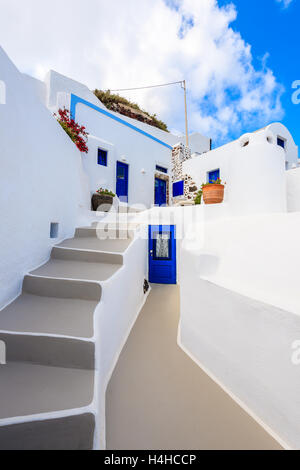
x,y
50,351
69,433
62,289
86,256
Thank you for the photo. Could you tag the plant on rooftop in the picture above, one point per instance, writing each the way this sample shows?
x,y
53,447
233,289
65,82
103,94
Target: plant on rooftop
x,y
76,132
113,102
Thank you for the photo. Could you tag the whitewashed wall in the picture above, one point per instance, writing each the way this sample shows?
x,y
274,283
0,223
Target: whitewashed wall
x,y
293,190
114,318
247,347
291,149
40,180
139,152
254,174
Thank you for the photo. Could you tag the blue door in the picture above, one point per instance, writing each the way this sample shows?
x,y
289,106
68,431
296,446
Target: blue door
x,y
160,192
162,254
122,181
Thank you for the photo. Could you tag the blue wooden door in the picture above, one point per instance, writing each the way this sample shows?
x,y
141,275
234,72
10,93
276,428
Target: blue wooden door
x,y
122,181
162,254
160,192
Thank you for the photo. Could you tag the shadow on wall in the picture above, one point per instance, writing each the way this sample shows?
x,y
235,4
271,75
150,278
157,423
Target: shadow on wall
x,y
207,265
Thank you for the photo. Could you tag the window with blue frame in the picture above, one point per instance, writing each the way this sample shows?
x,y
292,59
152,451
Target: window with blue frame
x,y
213,176
281,142
102,157
161,169
178,189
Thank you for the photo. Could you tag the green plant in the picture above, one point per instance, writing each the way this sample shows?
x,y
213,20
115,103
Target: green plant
x,y
217,181
198,198
109,100
105,192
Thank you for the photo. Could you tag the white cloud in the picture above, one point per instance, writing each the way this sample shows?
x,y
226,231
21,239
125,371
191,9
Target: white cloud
x,y
120,44
284,3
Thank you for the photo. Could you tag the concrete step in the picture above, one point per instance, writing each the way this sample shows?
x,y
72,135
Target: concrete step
x,y
54,307
49,315
105,233
49,351
80,265
30,389
68,433
63,289
94,243
86,256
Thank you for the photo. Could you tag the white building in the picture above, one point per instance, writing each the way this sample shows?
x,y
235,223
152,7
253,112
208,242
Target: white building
x,y
68,298
120,146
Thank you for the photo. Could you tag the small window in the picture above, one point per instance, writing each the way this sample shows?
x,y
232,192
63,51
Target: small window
x,y
178,189
281,142
102,157
162,249
213,176
161,169
54,230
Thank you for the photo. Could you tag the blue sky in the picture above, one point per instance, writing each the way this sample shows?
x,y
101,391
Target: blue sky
x,y
239,58
271,28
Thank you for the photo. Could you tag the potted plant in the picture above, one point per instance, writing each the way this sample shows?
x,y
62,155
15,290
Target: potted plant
x,y
213,193
103,198
198,198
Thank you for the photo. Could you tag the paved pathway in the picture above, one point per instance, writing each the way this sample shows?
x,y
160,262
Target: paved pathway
x,y
158,398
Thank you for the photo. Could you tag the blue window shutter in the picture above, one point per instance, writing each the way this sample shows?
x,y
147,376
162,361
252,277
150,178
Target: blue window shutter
x,y
213,176
102,157
161,169
178,189
281,142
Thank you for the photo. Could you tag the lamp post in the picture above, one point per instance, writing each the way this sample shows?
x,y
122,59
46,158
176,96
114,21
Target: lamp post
x,y
186,114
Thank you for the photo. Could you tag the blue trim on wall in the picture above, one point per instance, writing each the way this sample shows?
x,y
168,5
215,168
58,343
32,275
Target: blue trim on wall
x,y
76,99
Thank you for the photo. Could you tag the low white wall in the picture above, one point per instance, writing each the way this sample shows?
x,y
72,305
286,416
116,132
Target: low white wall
x,y
122,300
40,180
293,190
245,345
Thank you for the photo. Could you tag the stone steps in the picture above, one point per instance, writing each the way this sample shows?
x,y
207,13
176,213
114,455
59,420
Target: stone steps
x,y
47,385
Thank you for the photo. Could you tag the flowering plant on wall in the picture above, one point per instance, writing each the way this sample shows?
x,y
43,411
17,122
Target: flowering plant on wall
x,y
105,192
76,132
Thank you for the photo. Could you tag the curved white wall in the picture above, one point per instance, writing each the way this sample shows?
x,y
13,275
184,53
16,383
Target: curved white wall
x,y
254,175
245,345
257,175
41,172
293,190
291,149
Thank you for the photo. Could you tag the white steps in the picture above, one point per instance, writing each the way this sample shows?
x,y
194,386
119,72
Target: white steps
x,y
50,345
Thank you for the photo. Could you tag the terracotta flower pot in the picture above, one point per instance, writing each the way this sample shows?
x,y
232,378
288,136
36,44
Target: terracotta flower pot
x,y
213,193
